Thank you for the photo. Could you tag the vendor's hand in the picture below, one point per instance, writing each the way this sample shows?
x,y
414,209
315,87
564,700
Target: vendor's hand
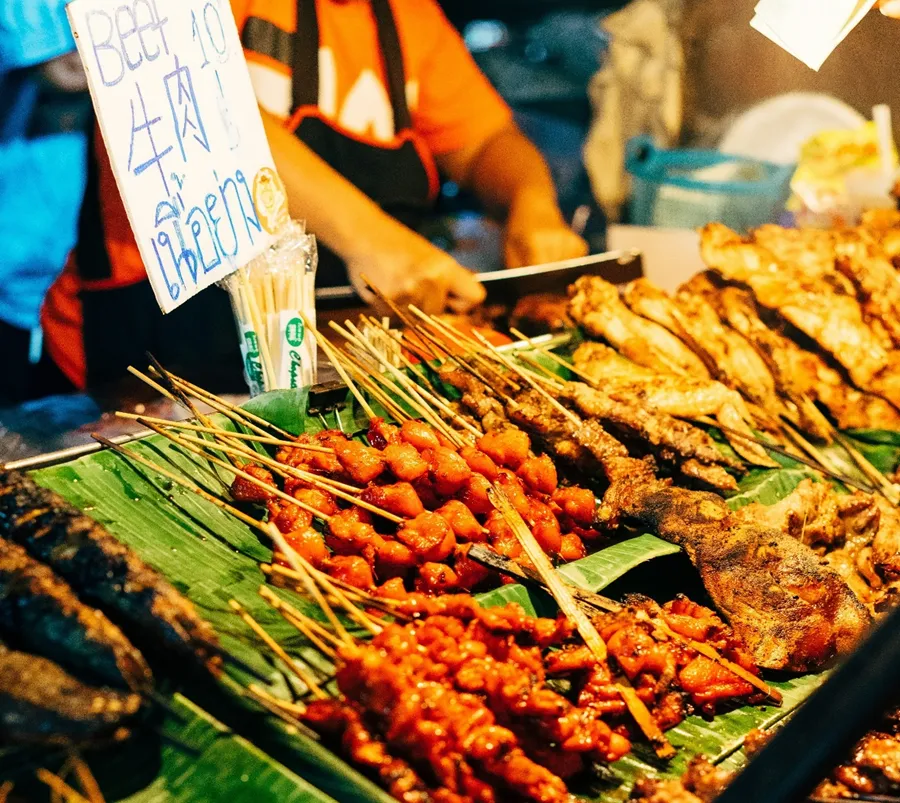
x,y
410,270
65,73
536,233
890,8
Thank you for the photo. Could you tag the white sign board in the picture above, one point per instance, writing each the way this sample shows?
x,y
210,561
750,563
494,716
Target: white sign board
x,y
179,118
810,30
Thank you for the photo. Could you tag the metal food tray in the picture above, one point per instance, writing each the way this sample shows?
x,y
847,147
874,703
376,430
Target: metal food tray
x,y
508,286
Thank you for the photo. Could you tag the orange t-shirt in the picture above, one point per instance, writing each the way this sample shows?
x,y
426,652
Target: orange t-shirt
x,y
451,103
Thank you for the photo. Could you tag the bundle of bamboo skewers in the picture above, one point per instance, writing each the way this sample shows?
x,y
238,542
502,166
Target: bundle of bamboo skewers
x,y
273,297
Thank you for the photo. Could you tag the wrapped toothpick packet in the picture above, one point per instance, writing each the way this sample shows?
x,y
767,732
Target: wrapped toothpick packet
x,y
273,298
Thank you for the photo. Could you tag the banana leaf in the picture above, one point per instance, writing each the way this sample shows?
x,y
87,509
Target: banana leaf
x,y
212,557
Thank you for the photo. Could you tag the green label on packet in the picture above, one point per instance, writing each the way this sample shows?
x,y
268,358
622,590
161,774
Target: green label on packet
x,y
253,371
294,331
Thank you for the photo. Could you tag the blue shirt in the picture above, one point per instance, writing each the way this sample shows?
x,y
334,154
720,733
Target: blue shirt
x,y
41,178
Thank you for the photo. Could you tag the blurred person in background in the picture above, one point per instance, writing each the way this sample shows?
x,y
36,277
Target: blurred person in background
x,y
43,117
387,99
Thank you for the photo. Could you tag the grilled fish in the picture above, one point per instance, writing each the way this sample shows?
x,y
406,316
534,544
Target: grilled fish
x,y
42,704
102,570
40,613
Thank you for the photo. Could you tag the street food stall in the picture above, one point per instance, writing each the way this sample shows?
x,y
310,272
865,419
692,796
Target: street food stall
x,y
594,541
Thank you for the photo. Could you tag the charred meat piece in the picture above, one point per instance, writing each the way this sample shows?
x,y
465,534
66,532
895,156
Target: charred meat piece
x,y
42,704
656,429
792,612
102,570
41,614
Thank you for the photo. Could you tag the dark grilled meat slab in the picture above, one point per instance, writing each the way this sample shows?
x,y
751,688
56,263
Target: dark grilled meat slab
x,y
101,569
40,613
793,612
40,703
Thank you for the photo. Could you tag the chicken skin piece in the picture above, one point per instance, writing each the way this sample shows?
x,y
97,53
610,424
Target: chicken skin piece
x,y
508,447
244,490
421,436
400,499
447,470
538,474
363,464
381,434
404,462
462,521
428,536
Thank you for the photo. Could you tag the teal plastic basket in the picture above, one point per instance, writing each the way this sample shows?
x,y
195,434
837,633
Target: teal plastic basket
x,y
685,189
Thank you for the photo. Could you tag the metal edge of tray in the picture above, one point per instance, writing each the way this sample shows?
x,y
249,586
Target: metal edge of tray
x,y
627,263
50,459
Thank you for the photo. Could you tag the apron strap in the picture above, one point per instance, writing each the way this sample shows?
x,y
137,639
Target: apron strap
x,y
306,59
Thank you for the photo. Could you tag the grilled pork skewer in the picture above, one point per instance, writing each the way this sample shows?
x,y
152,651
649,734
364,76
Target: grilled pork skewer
x,y
101,569
41,613
42,704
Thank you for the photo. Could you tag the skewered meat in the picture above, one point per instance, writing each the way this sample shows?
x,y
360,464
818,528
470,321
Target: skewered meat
x,y
803,376
404,462
863,261
739,364
363,464
791,611
701,783
400,499
101,569
538,474
42,704
508,447
336,719
41,614
656,429
832,319
673,395
595,305
244,490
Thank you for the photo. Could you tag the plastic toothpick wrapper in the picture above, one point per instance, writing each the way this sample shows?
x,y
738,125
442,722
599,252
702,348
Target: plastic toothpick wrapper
x,y
270,297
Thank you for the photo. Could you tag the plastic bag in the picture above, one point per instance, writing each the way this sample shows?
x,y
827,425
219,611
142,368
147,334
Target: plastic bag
x,y
274,301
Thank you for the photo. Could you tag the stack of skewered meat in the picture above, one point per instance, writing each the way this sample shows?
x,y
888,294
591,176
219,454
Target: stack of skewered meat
x,y
72,599
455,704
802,324
437,495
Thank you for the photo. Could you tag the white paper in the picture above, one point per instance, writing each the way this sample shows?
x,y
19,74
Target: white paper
x,y
180,121
809,29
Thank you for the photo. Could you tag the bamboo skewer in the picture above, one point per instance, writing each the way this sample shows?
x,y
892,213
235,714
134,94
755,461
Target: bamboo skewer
x,y
329,352
308,627
331,486
873,474
291,663
299,565
226,433
292,709
60,787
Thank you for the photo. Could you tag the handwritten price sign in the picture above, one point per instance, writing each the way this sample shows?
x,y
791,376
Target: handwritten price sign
x,y
181,125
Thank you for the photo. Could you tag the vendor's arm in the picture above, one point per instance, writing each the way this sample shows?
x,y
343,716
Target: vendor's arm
x,y
512,179
404,265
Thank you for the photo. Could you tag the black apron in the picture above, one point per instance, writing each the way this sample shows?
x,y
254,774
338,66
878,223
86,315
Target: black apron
x,y
400,176
198,340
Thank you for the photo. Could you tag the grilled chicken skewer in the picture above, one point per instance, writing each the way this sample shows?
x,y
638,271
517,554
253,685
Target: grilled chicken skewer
x,y
595,304
679,396
735,362
831,318
102,570
40,613
42,704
